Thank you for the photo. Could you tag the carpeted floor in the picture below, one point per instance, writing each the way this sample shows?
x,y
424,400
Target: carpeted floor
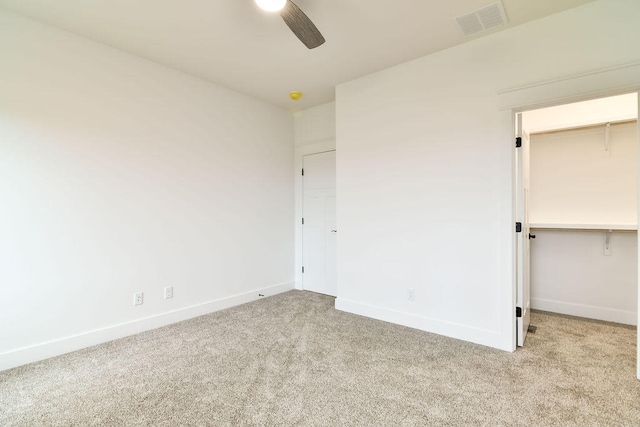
x,y
293,360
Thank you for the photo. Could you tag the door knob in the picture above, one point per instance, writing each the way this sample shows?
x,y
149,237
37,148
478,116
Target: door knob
x,y
334,231
532,236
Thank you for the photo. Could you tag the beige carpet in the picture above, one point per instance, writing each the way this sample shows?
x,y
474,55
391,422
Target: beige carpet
x,y
293,360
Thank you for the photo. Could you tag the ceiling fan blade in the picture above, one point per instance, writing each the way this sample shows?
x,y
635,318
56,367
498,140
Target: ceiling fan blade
x,y
301,25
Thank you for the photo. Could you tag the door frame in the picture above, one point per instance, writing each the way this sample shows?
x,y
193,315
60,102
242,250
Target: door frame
x,y
596,84
523,245
315,147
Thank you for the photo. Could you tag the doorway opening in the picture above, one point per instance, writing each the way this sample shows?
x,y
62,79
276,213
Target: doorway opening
x,y
577,174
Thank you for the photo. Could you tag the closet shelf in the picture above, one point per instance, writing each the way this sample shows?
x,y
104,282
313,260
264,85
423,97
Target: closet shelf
x,y
616,227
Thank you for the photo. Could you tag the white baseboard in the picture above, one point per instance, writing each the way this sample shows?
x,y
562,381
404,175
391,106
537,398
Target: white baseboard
x,y
449,329
588,311
34,353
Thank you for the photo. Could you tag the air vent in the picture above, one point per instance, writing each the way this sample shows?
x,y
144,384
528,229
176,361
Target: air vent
x,y
483,19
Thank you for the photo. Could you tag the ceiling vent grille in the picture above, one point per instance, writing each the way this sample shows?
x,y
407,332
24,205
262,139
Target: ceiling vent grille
x,y
483,19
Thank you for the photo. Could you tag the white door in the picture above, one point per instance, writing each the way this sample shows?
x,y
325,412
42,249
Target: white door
x,y
523,293
319,231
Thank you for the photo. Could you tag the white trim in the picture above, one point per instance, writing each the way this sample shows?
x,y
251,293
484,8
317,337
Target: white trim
x,y
449,329
314,147
508,246
601,83
34,353
638,221
588,311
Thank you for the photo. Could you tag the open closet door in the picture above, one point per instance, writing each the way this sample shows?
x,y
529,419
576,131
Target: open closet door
x,y
523,294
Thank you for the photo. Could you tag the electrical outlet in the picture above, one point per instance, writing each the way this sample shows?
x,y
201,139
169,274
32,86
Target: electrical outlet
x,y
168,292
138,298
411,294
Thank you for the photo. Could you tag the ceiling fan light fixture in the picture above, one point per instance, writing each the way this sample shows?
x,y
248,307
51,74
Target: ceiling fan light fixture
x,y
271,5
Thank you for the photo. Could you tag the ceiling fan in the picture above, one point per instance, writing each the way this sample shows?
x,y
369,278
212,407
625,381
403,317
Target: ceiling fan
x,y
296,20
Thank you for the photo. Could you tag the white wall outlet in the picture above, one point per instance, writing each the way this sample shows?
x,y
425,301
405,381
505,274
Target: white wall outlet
x,y
411,294
168,292
138,298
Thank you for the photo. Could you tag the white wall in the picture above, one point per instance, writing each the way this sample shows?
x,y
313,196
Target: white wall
x,y
425,171
315,132
574,180
315,125
118,175
571,275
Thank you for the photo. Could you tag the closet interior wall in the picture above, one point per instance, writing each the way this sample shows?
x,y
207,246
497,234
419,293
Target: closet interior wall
x,y
583,212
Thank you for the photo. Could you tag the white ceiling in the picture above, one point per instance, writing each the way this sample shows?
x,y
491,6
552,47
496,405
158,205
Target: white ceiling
x,y
235,44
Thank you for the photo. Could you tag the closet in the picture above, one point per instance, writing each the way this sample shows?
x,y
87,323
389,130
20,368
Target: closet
x,y
583,199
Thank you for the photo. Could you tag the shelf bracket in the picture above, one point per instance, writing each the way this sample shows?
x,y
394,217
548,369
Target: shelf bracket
x,y
607,243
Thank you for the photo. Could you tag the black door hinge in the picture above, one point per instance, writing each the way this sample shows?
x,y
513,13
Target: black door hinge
x,y
518,227
302,171
518,312
518,142
302,221
302,269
